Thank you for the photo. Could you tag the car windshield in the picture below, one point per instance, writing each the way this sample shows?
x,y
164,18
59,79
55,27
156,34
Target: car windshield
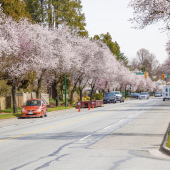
x,y
33,103
108,94
158,93
144,93
117,92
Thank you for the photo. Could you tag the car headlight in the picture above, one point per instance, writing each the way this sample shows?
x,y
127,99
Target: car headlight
x,y
39,109
23,110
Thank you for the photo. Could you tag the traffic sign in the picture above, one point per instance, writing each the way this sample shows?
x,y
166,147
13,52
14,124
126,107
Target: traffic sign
x,y
139,73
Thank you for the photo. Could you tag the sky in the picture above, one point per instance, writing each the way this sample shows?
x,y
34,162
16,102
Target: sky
x,y
112,16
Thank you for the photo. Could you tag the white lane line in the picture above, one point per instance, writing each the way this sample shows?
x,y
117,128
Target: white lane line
x,y
107,127
85,137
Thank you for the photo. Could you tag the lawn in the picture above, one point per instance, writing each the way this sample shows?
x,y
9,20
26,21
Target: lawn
x,y
8,113
168,143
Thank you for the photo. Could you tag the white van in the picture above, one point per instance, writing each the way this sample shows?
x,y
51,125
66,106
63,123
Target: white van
x,y
166,92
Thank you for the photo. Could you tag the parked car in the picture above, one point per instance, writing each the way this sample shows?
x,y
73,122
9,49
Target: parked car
x,y
119,96
34,108
135,95
144,95
158,94
109,98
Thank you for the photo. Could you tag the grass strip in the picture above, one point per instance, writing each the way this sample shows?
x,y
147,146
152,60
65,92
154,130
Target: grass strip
x,y
168,143
9,110
9,116
59,108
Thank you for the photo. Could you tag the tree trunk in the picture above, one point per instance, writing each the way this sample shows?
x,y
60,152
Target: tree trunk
x,y
71,97
14,93
81,94
39,87
57,94
42,11
91,93
54,92
72,92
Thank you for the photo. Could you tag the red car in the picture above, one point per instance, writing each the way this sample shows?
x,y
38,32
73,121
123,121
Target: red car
x,y
34,108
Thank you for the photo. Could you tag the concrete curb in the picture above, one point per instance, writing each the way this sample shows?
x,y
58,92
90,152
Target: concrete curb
x,y
163,147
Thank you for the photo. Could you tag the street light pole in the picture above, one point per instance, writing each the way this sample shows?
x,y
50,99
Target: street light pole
x,y
65,91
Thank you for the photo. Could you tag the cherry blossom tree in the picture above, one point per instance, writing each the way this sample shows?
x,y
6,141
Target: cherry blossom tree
x,y
147,12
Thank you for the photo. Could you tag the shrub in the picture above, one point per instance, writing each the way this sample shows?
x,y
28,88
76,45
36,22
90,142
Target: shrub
x,y
28,90
98,96
51,100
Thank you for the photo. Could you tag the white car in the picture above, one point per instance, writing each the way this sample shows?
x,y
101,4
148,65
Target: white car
x,y
144,95
157,94
119,96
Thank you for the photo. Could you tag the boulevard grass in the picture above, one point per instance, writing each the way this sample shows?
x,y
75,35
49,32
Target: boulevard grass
x,y
168,143
8,113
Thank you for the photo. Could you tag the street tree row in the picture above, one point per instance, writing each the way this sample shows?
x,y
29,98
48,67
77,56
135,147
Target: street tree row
x,y
34,52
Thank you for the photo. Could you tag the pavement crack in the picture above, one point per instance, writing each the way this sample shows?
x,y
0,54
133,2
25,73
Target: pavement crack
x,y
118,163
53,154
48,163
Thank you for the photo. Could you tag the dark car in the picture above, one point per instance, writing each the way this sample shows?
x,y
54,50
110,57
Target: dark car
x,y
109,98
135,95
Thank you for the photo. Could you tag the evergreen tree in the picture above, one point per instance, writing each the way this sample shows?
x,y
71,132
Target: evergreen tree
x,y
15,8
56,12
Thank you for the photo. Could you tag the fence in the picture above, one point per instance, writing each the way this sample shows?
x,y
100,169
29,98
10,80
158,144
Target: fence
x,y
6,102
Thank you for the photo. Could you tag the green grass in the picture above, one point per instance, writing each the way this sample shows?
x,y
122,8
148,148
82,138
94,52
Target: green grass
x,y
9,110
9,116
58,108
168,143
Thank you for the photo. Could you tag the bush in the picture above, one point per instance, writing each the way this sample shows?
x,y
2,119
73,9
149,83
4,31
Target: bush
x,y
88,98
28,90
98,96
51,100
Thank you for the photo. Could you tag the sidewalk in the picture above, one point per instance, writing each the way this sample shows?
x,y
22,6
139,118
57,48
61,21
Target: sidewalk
x,y
17,121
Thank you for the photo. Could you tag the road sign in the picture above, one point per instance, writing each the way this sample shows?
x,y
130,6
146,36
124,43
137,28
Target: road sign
x,y
159,84
139,73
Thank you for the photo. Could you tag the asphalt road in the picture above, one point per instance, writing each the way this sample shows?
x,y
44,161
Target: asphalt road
x,y
124,136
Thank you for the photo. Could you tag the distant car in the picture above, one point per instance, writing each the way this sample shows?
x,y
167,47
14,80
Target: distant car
x,y
158,94
135,95
144,95
119,96
34,108
109,98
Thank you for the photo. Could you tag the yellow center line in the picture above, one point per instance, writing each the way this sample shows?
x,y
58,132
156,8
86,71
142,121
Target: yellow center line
x,y
64,123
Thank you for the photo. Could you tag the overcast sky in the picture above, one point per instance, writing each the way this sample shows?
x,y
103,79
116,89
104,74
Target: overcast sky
x,y
112,16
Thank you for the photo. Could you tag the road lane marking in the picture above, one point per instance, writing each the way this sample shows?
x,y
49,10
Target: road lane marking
x,y
64,123
85,137
107,127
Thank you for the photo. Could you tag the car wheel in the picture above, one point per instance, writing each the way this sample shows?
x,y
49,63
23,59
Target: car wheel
x,y
120,101
46,114
42,115
163,99
23,117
